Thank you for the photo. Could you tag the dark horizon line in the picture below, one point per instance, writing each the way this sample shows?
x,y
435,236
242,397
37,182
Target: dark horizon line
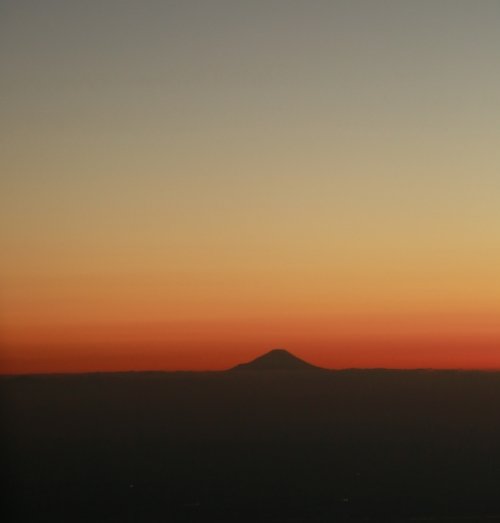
x,y
229,370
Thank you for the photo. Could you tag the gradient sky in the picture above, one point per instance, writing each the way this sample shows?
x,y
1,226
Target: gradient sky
x,y
186,184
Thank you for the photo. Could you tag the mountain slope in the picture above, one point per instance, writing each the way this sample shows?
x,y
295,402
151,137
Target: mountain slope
x,y
277,359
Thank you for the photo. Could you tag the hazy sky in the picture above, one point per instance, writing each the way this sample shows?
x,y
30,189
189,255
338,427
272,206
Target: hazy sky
x,y
188,183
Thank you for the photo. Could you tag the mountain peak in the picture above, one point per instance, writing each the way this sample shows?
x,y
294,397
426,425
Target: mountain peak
x,y
276,359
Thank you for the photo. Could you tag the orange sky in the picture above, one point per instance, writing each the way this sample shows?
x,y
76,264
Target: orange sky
x,y
336,343
196,184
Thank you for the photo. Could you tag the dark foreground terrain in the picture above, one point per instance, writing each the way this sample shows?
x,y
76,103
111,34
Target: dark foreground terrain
x,y
259,446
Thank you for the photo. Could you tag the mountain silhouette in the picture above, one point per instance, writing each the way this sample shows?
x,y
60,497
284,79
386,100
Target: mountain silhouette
x,y
277,359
